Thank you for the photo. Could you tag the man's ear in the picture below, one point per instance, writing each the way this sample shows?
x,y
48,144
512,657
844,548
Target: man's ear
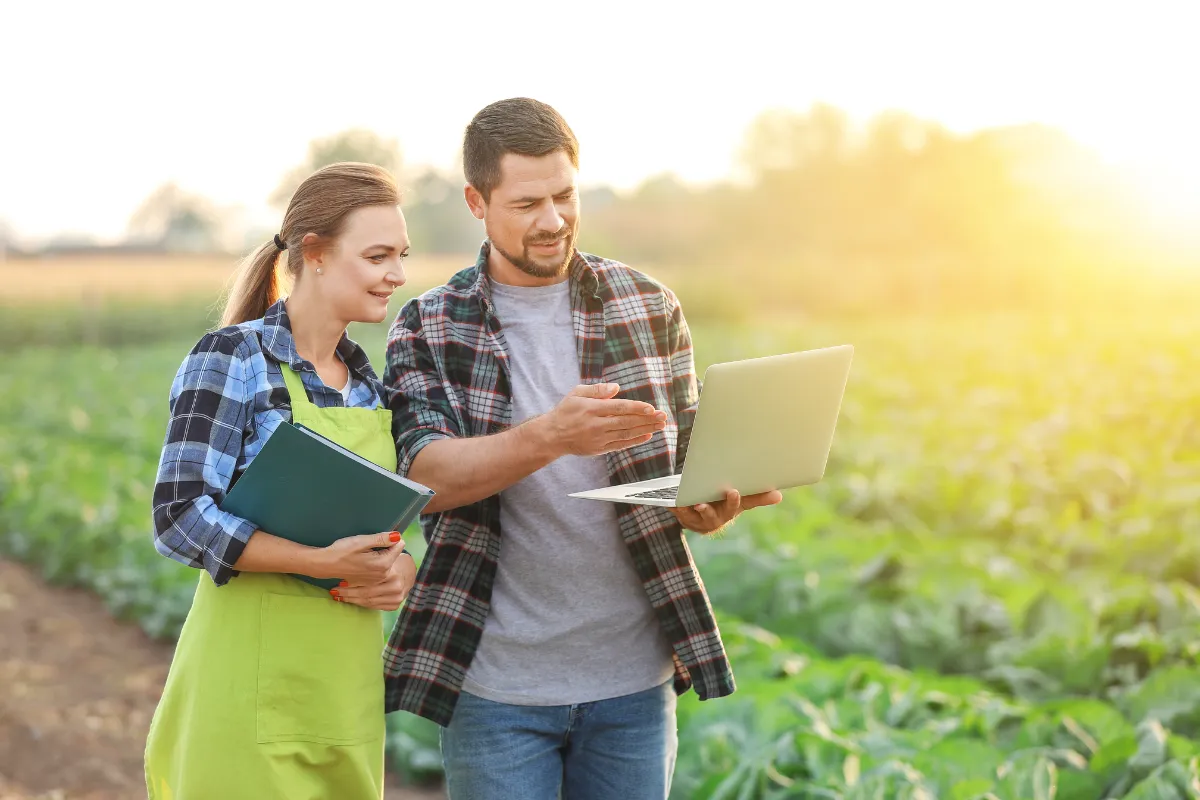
x,y
475,201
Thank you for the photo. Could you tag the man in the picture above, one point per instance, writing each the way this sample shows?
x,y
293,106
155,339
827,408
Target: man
x,y
548,635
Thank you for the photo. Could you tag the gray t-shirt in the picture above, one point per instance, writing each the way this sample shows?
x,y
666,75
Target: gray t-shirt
x,y
570,621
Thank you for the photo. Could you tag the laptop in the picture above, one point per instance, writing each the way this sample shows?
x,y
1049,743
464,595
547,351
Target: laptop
x,y
762,424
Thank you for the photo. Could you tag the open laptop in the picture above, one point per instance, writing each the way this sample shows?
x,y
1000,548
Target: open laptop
x,y
762,424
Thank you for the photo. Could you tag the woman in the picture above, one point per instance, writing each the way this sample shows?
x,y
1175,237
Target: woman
x,y
276,688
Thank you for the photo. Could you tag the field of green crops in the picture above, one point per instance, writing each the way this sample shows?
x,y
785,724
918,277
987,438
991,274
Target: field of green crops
x,y
995,593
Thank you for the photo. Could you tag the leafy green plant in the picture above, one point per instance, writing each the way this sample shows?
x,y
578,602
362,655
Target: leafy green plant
x,y
992,594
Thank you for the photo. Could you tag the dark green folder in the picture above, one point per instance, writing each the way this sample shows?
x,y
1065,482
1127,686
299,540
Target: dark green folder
x,y
304,487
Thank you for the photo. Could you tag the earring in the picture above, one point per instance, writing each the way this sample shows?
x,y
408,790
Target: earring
x,y
320,271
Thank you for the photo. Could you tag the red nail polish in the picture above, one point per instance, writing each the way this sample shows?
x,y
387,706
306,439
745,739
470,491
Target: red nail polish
x,y
344,584
395,537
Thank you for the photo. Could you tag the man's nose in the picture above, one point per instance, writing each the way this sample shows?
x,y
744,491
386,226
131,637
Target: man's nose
x,y
549,219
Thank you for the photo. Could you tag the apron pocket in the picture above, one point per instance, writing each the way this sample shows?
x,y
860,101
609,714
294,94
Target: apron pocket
x,y
320,672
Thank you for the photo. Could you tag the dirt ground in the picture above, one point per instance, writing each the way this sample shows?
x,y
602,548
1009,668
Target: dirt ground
x,y
77,690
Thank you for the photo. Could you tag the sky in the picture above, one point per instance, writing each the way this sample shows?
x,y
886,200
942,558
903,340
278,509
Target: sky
x,y
103,102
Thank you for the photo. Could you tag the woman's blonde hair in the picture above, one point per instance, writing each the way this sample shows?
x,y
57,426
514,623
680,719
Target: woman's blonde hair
x,y
320,205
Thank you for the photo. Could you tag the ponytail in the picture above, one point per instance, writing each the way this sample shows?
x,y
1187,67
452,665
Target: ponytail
x,y
255,287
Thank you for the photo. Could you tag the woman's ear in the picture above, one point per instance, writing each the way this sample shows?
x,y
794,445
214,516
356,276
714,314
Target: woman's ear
x,y
314,253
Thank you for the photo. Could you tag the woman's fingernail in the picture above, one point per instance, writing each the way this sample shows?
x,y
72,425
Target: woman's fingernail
x,y
343,584
395,537
334,592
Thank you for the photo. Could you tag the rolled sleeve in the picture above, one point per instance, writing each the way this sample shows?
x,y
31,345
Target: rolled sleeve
x,y
685,388
421,409
209,410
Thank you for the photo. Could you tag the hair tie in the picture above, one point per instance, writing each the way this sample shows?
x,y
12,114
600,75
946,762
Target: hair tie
x,y
280,243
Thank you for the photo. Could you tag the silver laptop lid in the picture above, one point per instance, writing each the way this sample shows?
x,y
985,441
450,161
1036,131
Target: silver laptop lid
x,y
765,423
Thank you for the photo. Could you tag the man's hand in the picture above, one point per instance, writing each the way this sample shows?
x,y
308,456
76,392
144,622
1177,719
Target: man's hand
x,y
709,518
588,422
386,595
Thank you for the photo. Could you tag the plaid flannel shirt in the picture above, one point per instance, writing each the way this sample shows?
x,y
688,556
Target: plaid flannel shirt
x,y
447,374
227,399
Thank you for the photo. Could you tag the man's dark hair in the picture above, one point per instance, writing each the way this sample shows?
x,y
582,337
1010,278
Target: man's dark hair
x,y
517,125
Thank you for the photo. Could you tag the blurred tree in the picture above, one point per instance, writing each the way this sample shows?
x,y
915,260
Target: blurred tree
x,y
177,221
437,215
896,213
356,144
785,141
597,198
662,221
664,188
7,243
902,211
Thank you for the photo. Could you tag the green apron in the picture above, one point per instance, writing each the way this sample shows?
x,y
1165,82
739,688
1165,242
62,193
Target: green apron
x,y
276,690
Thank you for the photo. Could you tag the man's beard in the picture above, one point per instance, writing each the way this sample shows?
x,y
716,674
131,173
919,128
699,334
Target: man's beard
x,y
525,262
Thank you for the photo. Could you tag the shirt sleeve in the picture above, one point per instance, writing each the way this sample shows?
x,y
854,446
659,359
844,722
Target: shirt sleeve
x,y
421,409
685,388
209,410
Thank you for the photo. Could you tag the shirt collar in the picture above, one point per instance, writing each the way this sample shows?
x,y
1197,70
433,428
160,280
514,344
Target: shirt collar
x,y
582,276
281,345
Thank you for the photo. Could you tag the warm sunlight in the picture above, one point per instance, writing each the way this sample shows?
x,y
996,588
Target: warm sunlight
x,y
1172,195
990,589
1161,158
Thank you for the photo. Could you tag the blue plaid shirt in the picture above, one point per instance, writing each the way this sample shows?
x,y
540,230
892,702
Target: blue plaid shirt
x,y
227,399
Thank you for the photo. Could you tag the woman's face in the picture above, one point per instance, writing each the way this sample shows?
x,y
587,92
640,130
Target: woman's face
x,y
366,264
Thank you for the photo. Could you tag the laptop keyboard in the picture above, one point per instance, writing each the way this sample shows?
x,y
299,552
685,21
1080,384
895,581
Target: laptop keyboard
x,y
659,494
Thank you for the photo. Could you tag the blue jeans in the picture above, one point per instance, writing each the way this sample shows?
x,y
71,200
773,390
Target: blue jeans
x,y
618,749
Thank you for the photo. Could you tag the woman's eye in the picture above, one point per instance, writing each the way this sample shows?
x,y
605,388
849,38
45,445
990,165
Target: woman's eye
x,y
377,259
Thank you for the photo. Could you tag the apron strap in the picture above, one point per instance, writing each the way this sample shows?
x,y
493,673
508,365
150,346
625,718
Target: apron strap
x,y
295,387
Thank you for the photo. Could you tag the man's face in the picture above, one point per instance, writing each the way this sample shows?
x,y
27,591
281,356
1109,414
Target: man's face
x,y
532,217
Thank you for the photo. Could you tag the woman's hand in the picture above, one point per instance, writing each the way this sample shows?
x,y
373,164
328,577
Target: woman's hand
x,y
388,594
360,560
